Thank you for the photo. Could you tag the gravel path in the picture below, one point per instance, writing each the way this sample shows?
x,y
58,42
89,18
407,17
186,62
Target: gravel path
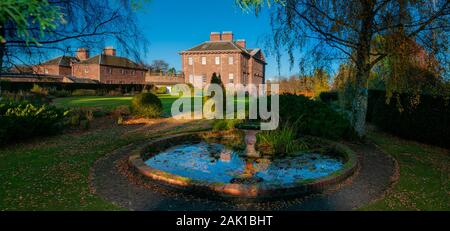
x,y
112,180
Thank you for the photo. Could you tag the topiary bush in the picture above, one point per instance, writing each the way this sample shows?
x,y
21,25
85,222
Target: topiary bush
x,y
316,118
146,105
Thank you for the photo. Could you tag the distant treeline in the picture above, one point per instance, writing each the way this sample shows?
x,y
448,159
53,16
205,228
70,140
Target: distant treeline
x,y
308,85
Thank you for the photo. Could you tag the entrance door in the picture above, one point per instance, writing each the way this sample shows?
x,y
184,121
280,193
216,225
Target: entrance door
x,y
198,81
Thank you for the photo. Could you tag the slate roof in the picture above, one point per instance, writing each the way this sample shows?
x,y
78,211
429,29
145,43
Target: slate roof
x,y
24,69
114,61
216,46
223,46
64,61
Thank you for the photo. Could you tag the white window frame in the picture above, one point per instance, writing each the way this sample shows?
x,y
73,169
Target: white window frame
x,y
204,79
86,70
217,59
203,60
190,61
231,77
45,70
231,60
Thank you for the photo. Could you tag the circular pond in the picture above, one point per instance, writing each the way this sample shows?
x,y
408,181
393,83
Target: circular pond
x,y
211,162
194,164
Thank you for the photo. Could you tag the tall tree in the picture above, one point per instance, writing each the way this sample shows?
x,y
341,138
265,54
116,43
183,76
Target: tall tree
x,y
215,79
348,30
320,81
30,30
159,65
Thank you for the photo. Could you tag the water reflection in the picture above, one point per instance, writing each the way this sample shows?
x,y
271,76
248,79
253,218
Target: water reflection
x,y
216,163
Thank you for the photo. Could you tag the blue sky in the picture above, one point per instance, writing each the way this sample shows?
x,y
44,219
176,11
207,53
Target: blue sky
x,y
175,25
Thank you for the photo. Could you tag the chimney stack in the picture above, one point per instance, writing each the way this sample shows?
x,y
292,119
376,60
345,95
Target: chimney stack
x,y
82,54
109,51
215,36
241,43
227,36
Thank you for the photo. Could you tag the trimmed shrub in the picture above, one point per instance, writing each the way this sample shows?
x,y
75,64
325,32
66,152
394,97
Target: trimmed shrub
x,y
427,122
146,105
114,93
27,97
84,92
122,110
316,118
24,120
84,116
39,90
161,90
59,93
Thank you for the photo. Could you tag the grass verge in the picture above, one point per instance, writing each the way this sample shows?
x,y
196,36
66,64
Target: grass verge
x,y
424,182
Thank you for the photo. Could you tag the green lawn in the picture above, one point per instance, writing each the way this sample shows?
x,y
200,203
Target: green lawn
x,y
424,182
108,102
53,173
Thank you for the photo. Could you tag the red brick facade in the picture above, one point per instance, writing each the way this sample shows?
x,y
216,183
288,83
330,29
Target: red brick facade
x,y
51,70
228,58
108,68
104,68
61,66
88,71
109,74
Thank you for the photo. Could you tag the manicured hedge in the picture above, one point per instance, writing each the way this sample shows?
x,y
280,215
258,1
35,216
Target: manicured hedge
x,y
328,97
428,122
27,86
314,117
146,105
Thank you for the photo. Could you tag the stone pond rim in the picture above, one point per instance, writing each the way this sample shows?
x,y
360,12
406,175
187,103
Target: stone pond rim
x,y
257,191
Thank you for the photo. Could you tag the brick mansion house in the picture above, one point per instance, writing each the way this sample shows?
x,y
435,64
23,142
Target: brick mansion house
x,y
229,58
106,67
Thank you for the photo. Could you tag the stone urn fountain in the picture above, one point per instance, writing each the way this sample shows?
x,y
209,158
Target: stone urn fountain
x,y
248,175
250,142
